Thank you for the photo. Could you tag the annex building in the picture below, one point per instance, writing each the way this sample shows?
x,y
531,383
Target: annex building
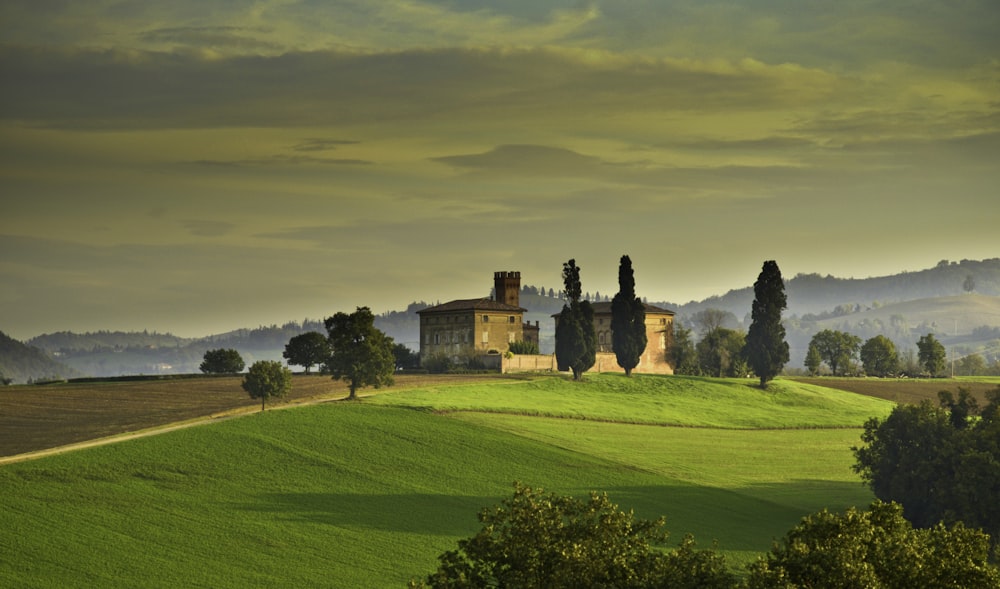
x,y
468,328
659,337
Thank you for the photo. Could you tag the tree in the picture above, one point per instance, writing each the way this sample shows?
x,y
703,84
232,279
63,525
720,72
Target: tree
x,y
307,350
361,354
720,353
628,320
576,340
878,356
222,361
970,283
813,360
766,349
931,354
939,463
972,365
682,352
405,357
876,548
543,540
836,348
708,320
266,380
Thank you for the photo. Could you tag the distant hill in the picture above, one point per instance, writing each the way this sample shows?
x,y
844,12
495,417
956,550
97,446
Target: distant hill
x,y
21,363
902,306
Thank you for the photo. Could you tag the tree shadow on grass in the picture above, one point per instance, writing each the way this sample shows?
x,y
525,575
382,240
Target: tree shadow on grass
x,y
747,518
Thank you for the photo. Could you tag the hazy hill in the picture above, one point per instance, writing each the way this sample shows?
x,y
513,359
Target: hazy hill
x,y
20,362
902,306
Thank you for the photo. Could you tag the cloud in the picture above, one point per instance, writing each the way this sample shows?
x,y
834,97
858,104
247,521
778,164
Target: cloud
x,y
321,144
225,37
207,228
525,159
282,160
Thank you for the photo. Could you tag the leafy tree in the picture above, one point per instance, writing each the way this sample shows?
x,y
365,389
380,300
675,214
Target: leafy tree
x,y
766,349
972,365
813,360
266,380
628,320
405,357
939,463
222,361
543,540
708,320
682,352
931,354
836,348
720,353
878,356
970,283
361,354
523,347
576,340
4,381
437,363
307,350
876,549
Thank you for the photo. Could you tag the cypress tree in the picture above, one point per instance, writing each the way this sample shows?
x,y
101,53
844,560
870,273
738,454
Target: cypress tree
x,y
628,320
766,349
576,340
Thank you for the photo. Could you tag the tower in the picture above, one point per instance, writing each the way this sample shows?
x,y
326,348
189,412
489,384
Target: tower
x,y
507,288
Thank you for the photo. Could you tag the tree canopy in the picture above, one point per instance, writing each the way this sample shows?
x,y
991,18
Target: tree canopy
x,y
222,361
766,349
628,320
361,354
543,540
576,340
266,380
932,355
307,350
939,463
878,356
837,348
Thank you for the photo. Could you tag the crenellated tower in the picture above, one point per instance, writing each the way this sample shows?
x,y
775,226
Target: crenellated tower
x,y
507,288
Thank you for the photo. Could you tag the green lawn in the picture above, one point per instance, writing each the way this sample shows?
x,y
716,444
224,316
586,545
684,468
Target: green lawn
x,y
367,494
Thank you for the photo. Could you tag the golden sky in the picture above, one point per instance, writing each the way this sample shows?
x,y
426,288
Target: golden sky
x,y
198,166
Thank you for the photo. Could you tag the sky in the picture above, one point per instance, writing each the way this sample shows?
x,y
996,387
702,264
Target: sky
x,y
197,166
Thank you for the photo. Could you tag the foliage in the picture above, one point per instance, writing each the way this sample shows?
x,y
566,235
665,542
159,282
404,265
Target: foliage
x,y
710,319
266,380
682,353
931,354
437,363
361,355
939,463
222,361
523,347
576,340
628,320
720,353
813,360
307,350
766,349
875,549
543,540
837,348
878,356
406,359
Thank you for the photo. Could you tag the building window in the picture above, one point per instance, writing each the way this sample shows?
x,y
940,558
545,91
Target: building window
x,y
437,338
486,337
486,318
510,319
510,337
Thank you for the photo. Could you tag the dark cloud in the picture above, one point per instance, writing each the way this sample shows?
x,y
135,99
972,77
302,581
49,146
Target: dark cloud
x,y
321,144
215,36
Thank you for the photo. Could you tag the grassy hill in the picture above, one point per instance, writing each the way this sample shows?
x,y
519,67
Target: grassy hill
x,y
367,494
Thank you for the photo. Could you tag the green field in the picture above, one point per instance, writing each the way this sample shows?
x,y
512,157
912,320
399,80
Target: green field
x,y
367,494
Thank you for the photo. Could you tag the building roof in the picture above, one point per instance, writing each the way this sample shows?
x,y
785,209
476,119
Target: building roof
x,y
483,304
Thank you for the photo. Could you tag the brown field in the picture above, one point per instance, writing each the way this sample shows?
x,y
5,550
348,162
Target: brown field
x,y
41,417
903,390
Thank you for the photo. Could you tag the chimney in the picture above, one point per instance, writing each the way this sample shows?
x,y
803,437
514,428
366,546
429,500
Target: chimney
x,y
507,288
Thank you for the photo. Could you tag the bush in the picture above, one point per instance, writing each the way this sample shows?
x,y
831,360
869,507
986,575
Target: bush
x,y
523,347
437,363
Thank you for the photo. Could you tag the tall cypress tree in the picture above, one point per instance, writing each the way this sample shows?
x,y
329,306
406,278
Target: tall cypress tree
x,y
576,340
628,320
766,349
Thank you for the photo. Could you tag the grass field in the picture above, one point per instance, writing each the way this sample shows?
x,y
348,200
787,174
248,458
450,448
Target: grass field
x,y
367,494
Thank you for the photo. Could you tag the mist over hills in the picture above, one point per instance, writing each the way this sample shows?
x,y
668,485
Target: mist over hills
x,y
902,307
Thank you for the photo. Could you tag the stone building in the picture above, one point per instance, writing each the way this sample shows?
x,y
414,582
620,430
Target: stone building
x,y
659,337
467,328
